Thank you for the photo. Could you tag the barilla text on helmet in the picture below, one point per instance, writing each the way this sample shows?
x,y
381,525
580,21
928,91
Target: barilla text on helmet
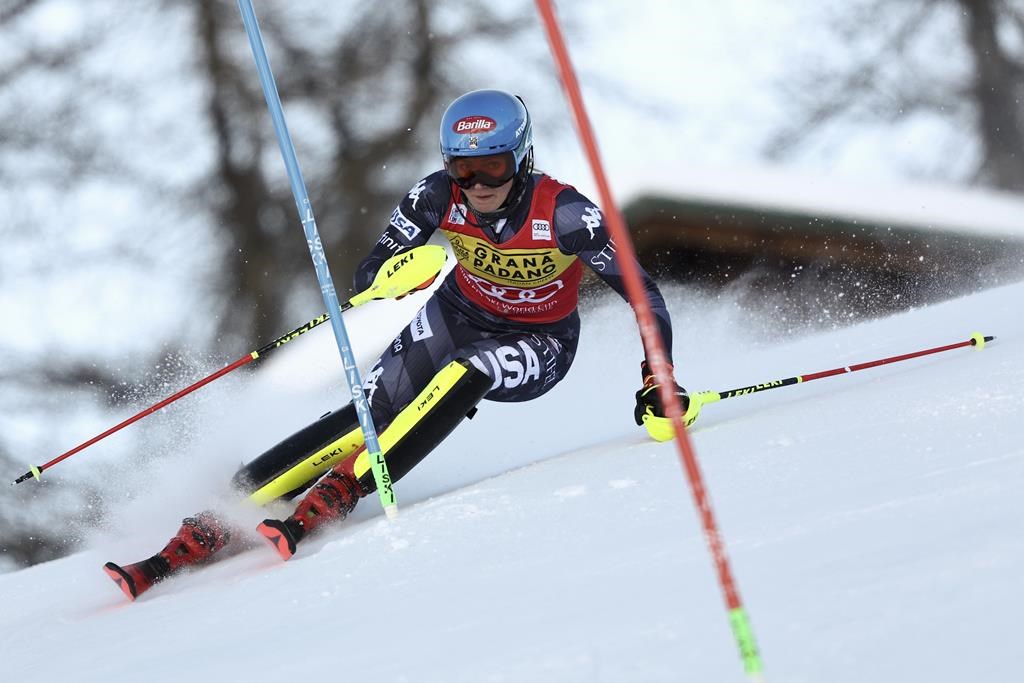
x,y
474,124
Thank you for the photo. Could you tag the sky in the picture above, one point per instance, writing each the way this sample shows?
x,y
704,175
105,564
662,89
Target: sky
x,y
668,85
682,98
682,85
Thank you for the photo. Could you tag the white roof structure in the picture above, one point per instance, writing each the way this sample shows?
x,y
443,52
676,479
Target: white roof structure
x,y
940,208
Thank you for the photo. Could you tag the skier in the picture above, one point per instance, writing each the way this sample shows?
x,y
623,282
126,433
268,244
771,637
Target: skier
x,y
502,326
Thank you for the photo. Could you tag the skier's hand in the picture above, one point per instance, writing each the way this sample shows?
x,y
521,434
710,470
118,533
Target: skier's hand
x,y
418,289
647,397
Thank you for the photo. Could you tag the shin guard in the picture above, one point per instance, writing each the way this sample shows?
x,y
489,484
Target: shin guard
x,y
450,396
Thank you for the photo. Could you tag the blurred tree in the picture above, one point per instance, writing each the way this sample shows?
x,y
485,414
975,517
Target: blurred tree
x,y
45,142
370,88
141,185
958,64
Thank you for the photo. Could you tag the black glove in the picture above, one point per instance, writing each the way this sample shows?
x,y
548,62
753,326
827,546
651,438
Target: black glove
x,y
648,397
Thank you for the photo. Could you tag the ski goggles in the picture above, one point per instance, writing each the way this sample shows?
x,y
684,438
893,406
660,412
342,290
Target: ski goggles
x,y
493,170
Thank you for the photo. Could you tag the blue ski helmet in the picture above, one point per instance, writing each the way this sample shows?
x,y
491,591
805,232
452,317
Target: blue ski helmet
x,y
484,122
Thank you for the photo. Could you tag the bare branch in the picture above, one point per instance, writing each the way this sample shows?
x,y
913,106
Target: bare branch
x,y
14,9
829,95
892,81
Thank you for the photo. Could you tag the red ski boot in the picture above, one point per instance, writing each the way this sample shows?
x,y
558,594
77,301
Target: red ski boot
x,y
135,579
198,538
333,497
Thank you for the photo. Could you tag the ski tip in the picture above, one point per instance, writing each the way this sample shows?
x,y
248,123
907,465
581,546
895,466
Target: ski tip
x,y
121,578
391,512
277,535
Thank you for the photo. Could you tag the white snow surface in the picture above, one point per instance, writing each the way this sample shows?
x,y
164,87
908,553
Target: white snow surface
x,y
873,524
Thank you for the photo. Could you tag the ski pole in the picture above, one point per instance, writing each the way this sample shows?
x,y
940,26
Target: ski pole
x,y
660,428
654,349
398,276
385,486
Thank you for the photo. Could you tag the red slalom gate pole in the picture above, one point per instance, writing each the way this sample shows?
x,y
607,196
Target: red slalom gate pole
x,y
653,346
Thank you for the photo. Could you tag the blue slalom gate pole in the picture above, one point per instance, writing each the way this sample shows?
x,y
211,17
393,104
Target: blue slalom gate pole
x,y
316,251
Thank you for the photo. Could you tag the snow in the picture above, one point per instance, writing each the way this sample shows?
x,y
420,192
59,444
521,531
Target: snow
x,y
935,207
873,523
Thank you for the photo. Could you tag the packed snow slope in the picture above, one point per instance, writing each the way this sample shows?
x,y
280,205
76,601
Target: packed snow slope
x,y
873,521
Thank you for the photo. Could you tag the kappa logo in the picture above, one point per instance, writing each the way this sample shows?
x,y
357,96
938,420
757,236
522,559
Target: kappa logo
x,y
416,191
420,326
457,215
541,230
592,219
404,225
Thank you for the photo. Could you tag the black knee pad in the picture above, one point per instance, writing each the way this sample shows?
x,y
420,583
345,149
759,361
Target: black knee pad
x,y
450,396
295,449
